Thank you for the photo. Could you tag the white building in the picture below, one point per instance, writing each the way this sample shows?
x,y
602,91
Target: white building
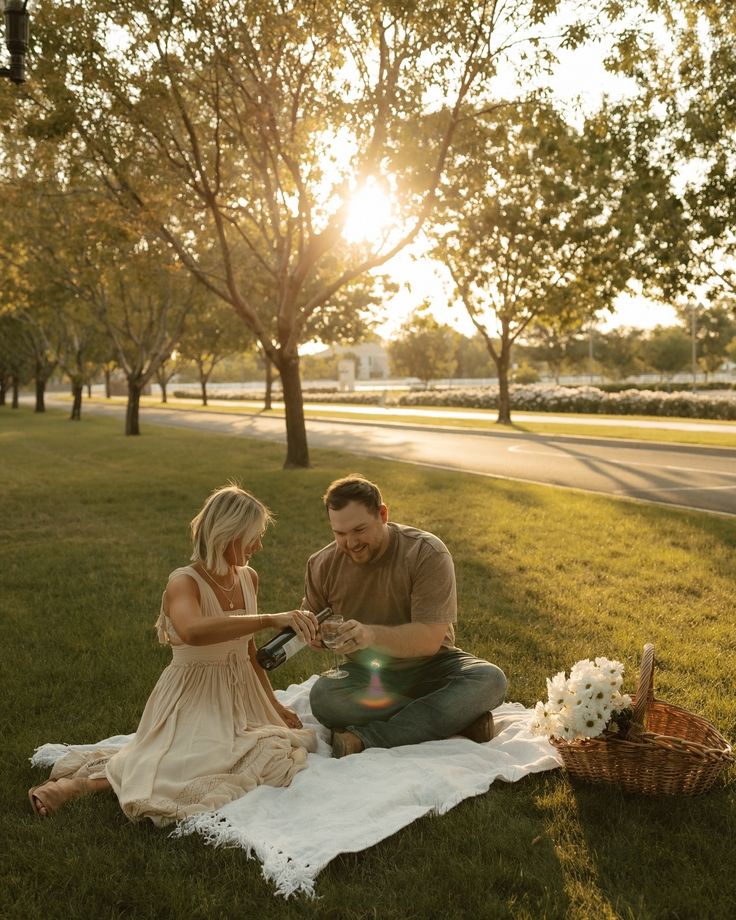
x,y
371,359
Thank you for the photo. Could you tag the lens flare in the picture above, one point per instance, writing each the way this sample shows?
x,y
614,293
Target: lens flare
x,y
376,696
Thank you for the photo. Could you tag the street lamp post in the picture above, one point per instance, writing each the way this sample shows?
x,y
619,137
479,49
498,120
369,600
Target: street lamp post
x,y
590,355
16,39
694,346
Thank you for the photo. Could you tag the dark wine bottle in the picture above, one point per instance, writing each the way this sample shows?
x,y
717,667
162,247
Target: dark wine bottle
x,y
277,650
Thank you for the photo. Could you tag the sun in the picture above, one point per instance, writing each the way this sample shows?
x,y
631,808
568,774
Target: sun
x,y
370,215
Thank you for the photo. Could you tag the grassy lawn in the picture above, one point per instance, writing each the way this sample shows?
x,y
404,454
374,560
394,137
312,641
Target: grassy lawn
x,y
520,424
93,522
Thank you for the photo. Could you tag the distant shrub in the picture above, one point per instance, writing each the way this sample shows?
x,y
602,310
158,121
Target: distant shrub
x,y
359,399
526,374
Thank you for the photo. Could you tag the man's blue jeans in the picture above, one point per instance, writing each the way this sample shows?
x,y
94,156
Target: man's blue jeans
x,y
436,698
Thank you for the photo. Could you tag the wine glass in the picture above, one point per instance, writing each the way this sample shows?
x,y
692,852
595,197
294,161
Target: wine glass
x,y
329,633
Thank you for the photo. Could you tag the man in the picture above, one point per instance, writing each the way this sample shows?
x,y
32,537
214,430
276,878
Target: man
x,y
395,587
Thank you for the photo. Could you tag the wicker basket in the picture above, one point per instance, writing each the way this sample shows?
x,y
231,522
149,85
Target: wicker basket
x,y
668,751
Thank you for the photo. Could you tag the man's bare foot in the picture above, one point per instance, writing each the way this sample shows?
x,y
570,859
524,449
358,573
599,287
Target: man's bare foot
x,y
48,798
344,743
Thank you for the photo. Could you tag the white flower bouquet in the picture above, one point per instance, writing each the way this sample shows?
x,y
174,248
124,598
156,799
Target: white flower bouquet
x,y
586,704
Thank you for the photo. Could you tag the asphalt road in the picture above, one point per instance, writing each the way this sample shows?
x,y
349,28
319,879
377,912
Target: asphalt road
x,y
702,478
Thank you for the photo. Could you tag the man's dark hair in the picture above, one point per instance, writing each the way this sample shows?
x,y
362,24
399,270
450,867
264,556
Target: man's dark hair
x,y
352,488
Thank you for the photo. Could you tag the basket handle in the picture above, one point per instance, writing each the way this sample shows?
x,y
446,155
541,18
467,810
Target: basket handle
x,y
645,693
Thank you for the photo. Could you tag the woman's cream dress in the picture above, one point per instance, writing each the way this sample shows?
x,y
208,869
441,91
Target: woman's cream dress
x,y
209,732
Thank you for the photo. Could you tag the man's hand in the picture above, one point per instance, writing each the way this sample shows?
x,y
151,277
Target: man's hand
x,y
354,636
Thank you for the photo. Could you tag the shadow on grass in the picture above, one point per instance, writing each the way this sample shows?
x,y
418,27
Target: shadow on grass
x,y
662,856
543,578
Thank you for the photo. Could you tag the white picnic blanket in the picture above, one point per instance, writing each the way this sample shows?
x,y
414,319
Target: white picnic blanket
x,y
347,805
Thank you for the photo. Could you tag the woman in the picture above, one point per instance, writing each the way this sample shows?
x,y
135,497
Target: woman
x,y
212,728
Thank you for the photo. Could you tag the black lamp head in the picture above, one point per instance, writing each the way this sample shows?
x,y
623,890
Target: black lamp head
x,y
16,39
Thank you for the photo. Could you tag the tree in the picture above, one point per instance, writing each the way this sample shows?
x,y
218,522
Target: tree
x,y
423,348
142,301
211,334
617,352
128,281
40,352
82,348
320,366
266,122
715,327
667,350
558,347
685,118
166,370
703,118
86,269
15,359
23,304
531,225
473,360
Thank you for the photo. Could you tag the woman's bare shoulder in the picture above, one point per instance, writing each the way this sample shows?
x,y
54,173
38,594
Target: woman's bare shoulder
x,y
181,584
253,576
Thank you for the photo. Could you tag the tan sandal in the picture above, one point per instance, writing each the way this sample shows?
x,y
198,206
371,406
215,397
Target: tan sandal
x,y
51,795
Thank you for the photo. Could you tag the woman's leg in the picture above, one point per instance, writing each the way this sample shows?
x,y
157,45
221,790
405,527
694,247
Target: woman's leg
x,y
50,796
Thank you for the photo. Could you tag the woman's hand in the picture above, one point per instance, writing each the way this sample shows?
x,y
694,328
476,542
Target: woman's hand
x,y
303,622
289,717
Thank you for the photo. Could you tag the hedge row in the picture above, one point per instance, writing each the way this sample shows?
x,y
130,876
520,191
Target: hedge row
x,y
533,398
661,387
310,395
543,398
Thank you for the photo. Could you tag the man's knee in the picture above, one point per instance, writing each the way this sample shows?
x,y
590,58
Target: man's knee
x,y
498,684
327,704
491,681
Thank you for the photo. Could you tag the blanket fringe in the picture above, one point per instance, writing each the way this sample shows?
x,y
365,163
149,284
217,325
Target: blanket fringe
x,y
289,876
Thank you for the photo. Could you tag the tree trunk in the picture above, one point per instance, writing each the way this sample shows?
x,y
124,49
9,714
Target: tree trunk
x,y
16,388
89,391
135,388
77,390
108,391
164,396
40,393
3,388
268,401
504,398
297,452
203,385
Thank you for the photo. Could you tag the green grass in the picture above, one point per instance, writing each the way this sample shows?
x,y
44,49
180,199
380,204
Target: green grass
x,y
92,523
519,422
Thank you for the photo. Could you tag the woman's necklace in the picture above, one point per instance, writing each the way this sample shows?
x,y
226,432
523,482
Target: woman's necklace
x,y
228,592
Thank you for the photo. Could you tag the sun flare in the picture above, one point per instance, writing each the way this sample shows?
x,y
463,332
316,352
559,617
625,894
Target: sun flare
x,y
369,214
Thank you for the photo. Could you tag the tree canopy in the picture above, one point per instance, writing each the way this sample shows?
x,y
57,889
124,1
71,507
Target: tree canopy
x,y
245,133
534,224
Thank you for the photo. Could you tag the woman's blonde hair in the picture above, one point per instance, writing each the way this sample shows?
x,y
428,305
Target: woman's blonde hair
x,y
230,514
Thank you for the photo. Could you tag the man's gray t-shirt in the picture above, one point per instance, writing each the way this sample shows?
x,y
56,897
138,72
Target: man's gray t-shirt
x,y
413,581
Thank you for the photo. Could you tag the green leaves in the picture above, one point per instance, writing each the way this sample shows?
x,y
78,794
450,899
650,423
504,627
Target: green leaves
x,y
424,348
